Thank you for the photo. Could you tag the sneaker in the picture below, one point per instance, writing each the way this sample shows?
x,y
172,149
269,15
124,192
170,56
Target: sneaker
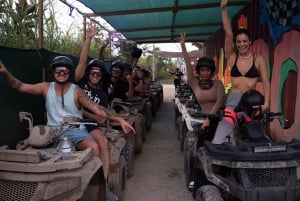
x,y
110,196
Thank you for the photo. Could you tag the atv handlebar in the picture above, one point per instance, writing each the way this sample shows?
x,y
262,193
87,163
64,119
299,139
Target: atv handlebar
x,y
73,121
270,116
204,115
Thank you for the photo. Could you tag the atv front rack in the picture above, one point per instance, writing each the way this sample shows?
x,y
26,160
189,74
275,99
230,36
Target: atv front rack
x,y
231,152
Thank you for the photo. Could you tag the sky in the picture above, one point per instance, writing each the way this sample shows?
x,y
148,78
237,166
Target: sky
x,y
73,20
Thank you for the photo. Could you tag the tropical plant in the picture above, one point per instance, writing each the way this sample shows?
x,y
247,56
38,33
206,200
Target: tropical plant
x,y
19,23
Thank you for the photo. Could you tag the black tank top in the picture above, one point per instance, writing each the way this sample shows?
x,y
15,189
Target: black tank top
x,y
252,72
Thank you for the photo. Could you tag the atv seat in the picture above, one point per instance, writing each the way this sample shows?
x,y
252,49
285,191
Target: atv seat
x,y
252,132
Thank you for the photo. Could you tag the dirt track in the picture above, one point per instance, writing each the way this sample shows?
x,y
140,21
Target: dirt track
x,y
158,170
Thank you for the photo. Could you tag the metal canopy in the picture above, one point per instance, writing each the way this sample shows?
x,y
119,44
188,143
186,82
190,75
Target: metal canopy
x,y
160,21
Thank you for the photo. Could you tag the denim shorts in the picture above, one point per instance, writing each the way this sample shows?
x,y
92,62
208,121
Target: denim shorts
x,y
76,135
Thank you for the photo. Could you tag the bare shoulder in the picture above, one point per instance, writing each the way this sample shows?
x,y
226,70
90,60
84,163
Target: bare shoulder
x,y
36,89
79,92
260,61
259,58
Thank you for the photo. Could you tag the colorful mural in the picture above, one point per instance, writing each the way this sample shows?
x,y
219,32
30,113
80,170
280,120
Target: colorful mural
x,y
285,86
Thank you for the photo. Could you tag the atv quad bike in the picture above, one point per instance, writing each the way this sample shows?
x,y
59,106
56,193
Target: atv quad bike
x,y
136,119
185,120
144,107
183,94
37,172
155,94
193,120
254,169
159,90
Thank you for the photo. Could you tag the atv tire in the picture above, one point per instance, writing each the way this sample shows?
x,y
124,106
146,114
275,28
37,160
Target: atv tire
x,y
139,126
188,165
154,106
117,181
208,193
128,154
200,180
178,120
177,114
161,98
143,127
182,133
148,115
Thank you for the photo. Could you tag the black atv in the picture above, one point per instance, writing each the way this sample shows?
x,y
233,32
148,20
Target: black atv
x,y
255,168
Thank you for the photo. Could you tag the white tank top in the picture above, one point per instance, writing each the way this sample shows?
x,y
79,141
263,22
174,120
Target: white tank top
x,y
55,111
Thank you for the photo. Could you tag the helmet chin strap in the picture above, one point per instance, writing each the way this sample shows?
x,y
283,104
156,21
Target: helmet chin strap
x,y
62,96
205,85
115,77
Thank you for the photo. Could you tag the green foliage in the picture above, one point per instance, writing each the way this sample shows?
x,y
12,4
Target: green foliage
x,y
162,65
166,81
19,23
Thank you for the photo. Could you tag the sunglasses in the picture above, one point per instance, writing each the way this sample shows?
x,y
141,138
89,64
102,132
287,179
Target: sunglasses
x,y
116,70
62,72
96,74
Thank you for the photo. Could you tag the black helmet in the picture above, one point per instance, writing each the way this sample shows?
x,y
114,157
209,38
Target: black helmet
x,y
127,66
61,61
146,73
250,99
206,62
96,63
117,64
136,52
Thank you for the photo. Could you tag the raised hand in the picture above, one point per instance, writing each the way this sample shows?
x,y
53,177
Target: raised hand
x,y
2,67
91,30
181,38
224,3
129,78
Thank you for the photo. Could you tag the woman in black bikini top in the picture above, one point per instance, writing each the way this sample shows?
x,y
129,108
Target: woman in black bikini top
x,y
241,81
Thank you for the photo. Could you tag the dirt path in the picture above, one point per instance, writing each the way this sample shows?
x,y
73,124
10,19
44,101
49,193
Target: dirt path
x,y
158,170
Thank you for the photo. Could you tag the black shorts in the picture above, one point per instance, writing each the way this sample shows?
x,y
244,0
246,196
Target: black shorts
x,y
90,128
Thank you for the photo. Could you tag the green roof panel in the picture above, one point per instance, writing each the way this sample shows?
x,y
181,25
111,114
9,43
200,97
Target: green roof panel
x,y
156,21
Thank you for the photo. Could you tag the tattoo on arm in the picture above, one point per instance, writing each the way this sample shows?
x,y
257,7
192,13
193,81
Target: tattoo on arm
x,y
84,99
108,113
